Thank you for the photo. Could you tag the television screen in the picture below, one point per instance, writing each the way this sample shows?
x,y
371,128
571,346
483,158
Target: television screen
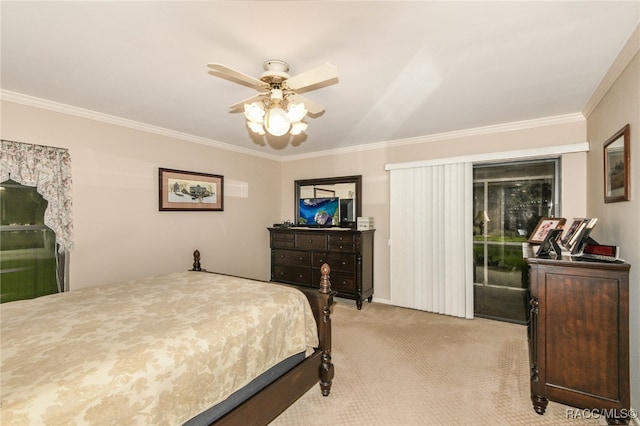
x,y
319,211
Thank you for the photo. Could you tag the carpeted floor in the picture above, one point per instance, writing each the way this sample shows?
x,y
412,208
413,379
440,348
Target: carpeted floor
x,y
396,366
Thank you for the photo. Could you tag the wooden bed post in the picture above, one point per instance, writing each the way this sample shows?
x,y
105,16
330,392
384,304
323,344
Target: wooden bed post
x,y
196,261
326,368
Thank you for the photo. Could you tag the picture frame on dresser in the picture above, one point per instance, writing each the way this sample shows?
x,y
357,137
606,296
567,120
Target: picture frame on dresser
x,y
617,166
570,231
545,224
181,190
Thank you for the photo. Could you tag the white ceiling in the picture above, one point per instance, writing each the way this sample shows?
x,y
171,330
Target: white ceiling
x,y
407,68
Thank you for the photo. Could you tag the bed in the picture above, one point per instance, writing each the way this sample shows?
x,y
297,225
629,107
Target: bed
x,y
191,348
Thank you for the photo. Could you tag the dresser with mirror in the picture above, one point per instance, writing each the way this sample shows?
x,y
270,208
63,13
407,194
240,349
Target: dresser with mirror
x,y
324,231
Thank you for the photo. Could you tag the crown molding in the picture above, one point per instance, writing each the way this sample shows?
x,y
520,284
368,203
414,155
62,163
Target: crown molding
x,y
628,51
436,137
32,101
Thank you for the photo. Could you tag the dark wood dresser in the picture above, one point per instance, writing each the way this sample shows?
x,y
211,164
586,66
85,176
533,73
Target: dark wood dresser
x,y
298,253
579,336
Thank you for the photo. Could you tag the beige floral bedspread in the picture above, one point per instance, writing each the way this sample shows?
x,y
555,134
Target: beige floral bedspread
x,y
155,351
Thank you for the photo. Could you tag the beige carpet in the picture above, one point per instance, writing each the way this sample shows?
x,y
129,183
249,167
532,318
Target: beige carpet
x,y
397,366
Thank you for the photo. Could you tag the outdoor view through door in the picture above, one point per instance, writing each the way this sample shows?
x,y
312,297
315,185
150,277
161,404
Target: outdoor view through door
x,y
508,200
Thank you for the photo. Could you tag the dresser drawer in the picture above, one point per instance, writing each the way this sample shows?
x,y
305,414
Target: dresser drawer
x,y
343,247
293,275
338,262
342,239
291,257
282,240
316,241
341,282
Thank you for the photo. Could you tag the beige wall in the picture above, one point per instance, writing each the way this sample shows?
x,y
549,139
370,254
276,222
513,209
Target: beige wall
x,y
119,232
618,222
375,180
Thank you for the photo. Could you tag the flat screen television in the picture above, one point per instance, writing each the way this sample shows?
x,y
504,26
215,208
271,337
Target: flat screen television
x,y
319,211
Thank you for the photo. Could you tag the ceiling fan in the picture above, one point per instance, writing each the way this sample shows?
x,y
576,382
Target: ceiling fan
x,y
278,108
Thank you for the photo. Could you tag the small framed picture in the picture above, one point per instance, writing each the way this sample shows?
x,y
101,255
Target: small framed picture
x,y
581,235
543,227
181,190
616,166
572,230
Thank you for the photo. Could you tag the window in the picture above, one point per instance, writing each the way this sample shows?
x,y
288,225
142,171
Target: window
x,y
509,200
42,175
27,245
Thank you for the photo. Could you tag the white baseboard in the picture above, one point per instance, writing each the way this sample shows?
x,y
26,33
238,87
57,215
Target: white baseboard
x,y
383,301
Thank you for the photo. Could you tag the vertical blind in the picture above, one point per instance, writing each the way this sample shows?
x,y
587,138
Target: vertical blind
x,y
432,238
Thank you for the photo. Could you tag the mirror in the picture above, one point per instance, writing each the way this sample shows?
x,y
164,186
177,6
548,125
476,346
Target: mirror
x,y
340,195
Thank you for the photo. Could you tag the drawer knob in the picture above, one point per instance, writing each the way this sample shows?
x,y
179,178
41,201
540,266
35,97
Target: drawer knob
x,y
300,258
344,263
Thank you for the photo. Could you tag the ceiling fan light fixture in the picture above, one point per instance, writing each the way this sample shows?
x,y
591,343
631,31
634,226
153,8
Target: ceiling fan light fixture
x,y
296,112
254,112
273,110
276,121
298,127
256,127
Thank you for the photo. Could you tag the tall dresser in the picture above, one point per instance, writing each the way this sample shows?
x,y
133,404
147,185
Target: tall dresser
x,y
579,336
298,253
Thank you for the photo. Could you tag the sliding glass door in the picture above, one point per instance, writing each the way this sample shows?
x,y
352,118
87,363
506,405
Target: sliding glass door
x,y
509,199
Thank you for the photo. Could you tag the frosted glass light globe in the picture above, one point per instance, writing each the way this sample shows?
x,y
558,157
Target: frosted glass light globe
x,y
276,121
298,127
253,112
296,112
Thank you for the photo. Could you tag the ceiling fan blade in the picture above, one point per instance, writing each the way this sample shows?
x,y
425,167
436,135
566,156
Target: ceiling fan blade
x,y
321,74
227,73
238,107
314,108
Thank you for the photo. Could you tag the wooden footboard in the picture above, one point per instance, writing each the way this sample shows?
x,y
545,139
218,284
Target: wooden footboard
x,y
266,405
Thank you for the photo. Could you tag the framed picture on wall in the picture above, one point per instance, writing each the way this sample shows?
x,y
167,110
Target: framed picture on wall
x,y
616,166
545,224
181,190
